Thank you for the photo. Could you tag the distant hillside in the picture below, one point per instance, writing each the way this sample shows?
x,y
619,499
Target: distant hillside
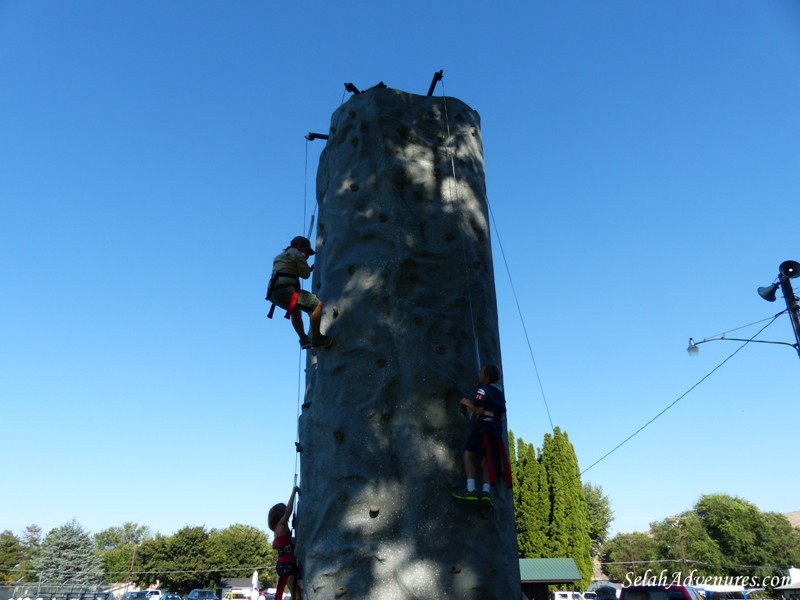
x,y
794,517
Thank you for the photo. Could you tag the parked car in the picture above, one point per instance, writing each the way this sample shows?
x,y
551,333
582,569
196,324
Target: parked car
x,y
235,596
171,596
661,592
590,595
202,595
154,594
141,595
561,595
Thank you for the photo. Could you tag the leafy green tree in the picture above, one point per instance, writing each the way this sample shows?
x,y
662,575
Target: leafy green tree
x,y
180,562
684,542
67,557
598,514
117,548
531,498
630,555
118,563
241,549
785,542
720,536
738,527
568,533
117,537
12,553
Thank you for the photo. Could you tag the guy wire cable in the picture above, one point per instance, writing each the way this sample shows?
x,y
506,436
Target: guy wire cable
x,y
664,410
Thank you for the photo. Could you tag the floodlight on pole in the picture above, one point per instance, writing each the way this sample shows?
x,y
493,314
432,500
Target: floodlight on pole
x,y
787,271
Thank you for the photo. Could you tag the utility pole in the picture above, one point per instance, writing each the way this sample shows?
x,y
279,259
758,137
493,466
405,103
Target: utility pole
x,y
680,538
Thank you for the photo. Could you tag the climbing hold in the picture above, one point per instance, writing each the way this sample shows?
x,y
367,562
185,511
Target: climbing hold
x,y
335,312
341,592
382,218
338,436
342,497
374,511
437,172
380,363
354,141
306,404
298,446
351,269
353,187
455,569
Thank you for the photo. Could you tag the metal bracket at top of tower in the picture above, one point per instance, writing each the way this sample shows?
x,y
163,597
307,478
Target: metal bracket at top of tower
x,y
350,87
437,77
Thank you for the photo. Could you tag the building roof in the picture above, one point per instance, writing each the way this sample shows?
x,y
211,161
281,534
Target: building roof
x,y
237,582
548,570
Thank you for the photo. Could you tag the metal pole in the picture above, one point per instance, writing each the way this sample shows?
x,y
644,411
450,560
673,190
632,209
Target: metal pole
x,y
791,305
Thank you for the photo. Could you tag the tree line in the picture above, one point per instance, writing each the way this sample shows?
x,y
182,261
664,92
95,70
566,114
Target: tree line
x,y
720,536
70,557
557,515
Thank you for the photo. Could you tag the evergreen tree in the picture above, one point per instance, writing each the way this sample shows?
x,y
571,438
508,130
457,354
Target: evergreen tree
x,y
31,541
11,555
531,499
68,557
568,533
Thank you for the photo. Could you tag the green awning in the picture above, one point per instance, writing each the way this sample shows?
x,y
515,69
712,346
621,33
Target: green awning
x,y
548,570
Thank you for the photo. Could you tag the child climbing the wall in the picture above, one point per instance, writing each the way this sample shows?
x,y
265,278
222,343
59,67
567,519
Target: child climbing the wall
x,y
286,568
486,436
284,291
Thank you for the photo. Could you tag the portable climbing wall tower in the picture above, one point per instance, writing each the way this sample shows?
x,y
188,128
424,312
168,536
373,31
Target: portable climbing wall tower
x,y
404,268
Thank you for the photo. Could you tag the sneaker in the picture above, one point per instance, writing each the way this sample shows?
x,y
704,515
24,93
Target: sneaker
x,y
305,343
322,341
466,495
486,499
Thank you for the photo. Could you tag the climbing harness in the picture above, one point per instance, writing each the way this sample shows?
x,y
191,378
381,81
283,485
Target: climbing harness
x,y
500,448
272,287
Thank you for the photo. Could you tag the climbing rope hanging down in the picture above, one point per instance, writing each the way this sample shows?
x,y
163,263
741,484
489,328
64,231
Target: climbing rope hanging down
x,y
453,183
503,254
498,452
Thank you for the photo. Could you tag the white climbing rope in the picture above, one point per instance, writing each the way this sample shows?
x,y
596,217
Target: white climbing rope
x,y
508,271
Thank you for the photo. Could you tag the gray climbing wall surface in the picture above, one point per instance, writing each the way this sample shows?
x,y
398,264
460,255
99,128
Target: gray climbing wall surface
x,y
404,267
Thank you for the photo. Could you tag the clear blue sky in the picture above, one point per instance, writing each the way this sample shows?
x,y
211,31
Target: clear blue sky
x,y
643,168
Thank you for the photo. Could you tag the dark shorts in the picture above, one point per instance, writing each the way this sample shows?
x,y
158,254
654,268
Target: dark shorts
x,y
475,440
285,569
306,301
